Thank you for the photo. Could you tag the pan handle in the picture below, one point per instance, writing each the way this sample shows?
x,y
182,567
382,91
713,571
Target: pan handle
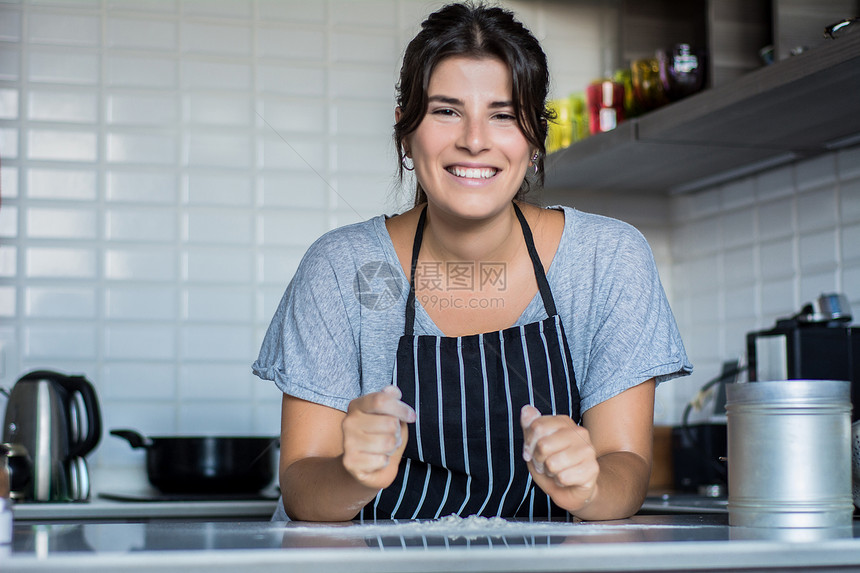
x,y
134,438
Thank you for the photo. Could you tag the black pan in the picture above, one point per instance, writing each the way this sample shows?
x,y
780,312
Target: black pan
x,y
206,464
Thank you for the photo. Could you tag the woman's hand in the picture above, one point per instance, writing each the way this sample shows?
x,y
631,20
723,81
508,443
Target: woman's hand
x,y
375,435
560,458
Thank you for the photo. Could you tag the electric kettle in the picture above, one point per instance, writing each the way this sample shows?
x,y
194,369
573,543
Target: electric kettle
x,y
44,415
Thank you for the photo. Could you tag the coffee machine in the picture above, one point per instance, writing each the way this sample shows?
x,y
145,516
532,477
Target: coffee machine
x,y
817,343
57,421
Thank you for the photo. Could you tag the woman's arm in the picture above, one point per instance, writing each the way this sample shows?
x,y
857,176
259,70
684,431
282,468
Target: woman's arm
x,y
599,470
333,463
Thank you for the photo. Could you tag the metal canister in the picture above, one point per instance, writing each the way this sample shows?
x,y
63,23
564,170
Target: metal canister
x,y
789,453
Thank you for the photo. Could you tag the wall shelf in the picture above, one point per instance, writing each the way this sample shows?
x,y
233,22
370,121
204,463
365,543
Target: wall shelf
x,y
797,108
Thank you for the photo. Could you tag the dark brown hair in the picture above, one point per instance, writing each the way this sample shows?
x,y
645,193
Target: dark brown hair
x,y
479,31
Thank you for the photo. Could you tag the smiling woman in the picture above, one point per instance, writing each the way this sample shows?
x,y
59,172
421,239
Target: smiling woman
x,y
483,35
465,393
469,152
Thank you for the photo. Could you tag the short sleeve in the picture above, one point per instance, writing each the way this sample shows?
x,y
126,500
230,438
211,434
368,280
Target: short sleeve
x,y
309,350
633,334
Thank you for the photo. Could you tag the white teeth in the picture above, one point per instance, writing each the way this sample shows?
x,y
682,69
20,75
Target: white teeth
x,y
472,173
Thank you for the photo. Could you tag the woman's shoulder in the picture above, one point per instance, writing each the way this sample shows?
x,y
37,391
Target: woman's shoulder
x,y
352,239
593,231
346,248
593,245
346,234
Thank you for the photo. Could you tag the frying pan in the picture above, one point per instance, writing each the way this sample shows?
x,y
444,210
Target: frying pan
x,y
206,464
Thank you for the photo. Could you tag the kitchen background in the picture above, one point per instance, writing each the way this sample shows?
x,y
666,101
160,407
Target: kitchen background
x,y
165,164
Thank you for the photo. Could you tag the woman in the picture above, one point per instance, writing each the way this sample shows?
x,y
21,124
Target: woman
x,y
459,387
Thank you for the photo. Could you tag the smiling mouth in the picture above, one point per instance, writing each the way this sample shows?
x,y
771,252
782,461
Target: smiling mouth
x,y
472,172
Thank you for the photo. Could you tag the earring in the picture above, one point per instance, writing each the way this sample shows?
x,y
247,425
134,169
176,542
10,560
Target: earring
x,y
534,162
405,165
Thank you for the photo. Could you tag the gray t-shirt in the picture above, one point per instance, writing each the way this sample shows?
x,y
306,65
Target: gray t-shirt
x,y
334,335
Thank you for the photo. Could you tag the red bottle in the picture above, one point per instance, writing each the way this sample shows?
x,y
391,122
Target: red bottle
x,y
605,105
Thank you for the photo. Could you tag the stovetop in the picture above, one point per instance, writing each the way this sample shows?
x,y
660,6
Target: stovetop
x,y
147,505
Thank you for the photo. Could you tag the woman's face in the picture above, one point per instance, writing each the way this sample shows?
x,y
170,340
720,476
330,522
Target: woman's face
x,y
469,153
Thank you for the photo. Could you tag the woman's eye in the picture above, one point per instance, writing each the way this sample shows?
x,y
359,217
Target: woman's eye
x,y
505,117
444,111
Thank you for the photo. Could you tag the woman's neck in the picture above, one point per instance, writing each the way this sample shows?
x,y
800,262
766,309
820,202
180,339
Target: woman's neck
x,y
448,240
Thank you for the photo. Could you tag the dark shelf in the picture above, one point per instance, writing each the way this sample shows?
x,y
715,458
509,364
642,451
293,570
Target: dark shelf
x,y
797,108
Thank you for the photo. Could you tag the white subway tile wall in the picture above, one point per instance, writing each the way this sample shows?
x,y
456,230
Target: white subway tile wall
x,y
164,164
751,251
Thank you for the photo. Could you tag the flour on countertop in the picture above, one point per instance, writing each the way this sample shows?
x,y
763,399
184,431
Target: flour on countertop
x,y
472,526
471,523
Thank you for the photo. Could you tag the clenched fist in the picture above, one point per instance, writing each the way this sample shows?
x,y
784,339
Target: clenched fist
x,y
560,457
375,435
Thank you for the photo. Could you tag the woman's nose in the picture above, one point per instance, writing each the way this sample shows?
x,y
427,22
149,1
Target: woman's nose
x,y
474,137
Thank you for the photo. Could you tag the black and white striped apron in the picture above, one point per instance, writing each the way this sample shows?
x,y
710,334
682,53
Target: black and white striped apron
x,y
464,454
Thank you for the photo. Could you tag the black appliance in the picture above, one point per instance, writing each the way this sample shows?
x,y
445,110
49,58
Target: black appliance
x,y
697,450
815,344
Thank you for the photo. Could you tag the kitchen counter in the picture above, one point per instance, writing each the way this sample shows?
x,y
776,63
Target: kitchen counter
x,y
671,503
138,506
643,542
124,493
122,507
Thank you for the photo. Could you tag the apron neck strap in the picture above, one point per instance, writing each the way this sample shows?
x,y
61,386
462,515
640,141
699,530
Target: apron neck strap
x,y
416,247
540,275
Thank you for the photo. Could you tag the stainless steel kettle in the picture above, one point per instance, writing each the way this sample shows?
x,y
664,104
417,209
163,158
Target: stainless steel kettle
x,y
44,415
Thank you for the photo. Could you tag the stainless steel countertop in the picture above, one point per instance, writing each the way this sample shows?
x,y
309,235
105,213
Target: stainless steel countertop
x,y
109,509
684,503
645,542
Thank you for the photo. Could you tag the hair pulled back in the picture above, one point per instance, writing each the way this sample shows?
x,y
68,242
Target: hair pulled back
x,y
478,31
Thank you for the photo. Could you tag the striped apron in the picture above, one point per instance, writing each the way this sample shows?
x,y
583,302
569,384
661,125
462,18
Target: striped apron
x,y
464,454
